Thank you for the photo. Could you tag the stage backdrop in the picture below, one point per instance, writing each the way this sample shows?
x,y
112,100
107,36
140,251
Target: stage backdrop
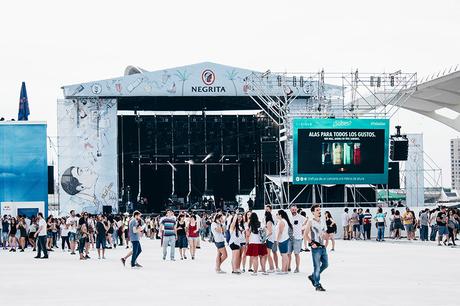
x,y
340,151
87,141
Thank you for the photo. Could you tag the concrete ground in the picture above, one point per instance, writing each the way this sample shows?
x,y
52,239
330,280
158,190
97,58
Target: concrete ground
x,y
360,273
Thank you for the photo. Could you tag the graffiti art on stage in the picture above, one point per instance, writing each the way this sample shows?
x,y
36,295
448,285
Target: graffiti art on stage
x,y
87,142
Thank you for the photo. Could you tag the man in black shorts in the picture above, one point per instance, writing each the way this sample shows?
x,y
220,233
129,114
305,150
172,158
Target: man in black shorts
x,y
101,233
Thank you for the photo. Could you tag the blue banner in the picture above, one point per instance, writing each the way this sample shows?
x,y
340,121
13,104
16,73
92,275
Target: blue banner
x,y
23,163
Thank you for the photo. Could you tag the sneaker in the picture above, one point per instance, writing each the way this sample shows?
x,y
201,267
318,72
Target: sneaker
x,y
221,272
123,261
264,273
138,265
320,288
332,250
44,257
281,273
172,259
72,253
310,277
271,271
193,257
103,257
250,270
236,272
254,273
87,257
37,257
185,257
296,270
164,258
22,250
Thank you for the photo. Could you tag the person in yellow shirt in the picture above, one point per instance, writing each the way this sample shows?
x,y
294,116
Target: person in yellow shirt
x,y
408,220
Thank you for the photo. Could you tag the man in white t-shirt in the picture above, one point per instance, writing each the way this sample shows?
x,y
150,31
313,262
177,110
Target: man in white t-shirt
x,y
41,235
72,221
297,221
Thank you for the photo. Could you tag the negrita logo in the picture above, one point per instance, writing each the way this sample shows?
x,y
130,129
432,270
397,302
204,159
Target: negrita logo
x,y
208,77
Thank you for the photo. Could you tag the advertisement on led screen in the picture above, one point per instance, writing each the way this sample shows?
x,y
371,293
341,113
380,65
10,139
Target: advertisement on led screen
x,y
340,151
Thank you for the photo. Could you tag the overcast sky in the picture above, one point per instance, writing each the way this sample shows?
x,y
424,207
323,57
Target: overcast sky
x,y
48,44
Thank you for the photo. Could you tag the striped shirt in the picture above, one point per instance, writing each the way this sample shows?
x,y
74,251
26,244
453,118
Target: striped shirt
x,y
367,218
168,226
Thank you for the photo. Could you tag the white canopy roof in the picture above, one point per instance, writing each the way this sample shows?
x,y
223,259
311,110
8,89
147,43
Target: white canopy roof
x,y
438,99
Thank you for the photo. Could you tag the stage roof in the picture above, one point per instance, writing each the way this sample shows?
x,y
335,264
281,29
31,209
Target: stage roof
x,y
438,99
202,79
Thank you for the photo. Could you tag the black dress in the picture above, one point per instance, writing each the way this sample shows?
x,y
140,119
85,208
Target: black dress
x,y
331,228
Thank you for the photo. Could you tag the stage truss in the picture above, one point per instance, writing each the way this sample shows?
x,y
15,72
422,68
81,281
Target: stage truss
x,y
284,96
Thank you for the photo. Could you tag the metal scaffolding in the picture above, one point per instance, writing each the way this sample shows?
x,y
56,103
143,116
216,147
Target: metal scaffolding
x,y
285,96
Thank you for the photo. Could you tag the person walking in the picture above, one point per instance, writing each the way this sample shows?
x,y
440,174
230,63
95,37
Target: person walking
x,y
135,232
181,234
168,233
314,234
41,234
193,235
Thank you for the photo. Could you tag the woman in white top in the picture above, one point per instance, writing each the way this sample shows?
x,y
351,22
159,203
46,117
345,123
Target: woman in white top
x,y
244,243
271,245
236,233
282,239
218,230
257,249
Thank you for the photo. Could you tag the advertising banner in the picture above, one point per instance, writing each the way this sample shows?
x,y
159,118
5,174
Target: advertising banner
x,y
23,162
414,178
340,151
87,142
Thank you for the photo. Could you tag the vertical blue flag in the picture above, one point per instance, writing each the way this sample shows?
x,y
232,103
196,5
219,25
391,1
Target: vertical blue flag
x,y
23,104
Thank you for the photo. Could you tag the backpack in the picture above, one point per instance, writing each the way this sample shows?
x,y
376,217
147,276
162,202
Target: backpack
x,y
263,235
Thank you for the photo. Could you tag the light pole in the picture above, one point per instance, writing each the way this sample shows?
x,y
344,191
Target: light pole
x,y
190,163
173,169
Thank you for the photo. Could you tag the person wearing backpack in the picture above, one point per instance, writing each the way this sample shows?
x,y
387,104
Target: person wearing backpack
x,y
257,249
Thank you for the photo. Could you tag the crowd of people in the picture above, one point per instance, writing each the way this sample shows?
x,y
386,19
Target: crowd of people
x,y
440,224
266,243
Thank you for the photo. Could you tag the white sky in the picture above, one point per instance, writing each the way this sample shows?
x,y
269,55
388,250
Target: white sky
x,y
48,44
